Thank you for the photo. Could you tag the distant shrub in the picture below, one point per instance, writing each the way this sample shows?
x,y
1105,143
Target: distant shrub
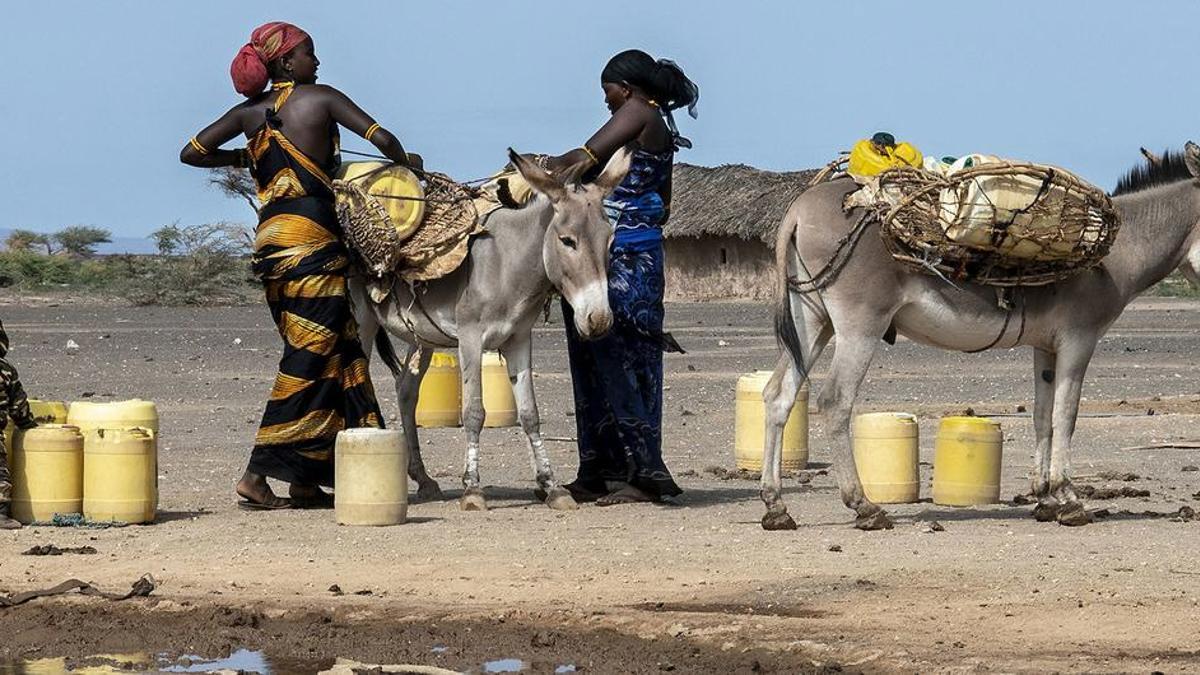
x,y
1175,286
27,270
198,265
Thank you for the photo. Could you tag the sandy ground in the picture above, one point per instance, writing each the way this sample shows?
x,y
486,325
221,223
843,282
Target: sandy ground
x,y
693,588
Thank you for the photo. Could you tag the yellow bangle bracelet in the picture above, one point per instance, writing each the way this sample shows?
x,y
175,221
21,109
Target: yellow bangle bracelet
x,y
371,131
196,144
590,154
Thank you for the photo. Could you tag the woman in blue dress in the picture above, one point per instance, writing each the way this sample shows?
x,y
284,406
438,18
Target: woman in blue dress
x,y
618,379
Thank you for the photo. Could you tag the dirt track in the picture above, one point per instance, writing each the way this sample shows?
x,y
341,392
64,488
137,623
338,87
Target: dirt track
x,y
688,587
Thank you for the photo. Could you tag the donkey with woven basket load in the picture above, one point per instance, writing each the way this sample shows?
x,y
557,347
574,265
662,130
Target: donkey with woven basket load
x,y
514,262
870,295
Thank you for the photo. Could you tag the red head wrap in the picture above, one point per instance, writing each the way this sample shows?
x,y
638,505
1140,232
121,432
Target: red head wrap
x,y
267,43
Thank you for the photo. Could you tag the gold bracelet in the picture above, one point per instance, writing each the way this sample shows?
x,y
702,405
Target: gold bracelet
x,y
590,154
371,131
196,144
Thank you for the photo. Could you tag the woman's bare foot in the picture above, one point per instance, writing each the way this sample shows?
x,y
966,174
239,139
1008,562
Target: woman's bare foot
x,y
579,492
626,495
309,497
257,495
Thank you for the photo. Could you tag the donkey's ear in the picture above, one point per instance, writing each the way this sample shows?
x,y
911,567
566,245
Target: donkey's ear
x,y
1191,157
537,177
614,172
1154,159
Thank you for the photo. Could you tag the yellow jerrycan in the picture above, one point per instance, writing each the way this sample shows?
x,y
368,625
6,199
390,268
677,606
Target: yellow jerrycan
x,y
45,412
886,452
88,415
439,401
750,421
966,463
47,472
396,188
370,477
871,159
120,475
499,404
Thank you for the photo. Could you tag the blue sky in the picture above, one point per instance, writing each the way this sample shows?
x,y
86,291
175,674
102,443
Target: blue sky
x,y
100,96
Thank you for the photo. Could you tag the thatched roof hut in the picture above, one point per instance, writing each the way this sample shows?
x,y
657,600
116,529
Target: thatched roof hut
x,y
733,200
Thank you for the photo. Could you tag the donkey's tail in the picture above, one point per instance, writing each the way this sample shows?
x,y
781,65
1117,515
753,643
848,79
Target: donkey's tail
x,y
785,321
383,344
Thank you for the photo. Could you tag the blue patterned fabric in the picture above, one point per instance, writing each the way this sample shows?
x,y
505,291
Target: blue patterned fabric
x,y
637,203
617,379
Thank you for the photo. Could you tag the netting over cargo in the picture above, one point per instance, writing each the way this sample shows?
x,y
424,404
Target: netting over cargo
x,y
432,249
1000,224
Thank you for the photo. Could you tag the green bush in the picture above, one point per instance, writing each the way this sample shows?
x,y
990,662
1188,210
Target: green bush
x,y
199,265
27,270
1175,286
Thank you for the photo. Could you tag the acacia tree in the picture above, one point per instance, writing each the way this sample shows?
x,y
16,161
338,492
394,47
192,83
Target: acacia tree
x,y
25,240
235,182
81,240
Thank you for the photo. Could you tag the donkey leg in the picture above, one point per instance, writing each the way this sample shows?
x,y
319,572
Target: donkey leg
x,y
408,385
407,368
812,331
778,398
518,354
470,356
1043,426
851,360
1071,368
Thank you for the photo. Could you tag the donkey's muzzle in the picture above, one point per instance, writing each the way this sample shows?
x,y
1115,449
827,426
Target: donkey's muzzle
x,y
595,324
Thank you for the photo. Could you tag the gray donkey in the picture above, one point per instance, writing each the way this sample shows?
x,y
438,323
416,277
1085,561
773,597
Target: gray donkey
x,y
873,296
559,241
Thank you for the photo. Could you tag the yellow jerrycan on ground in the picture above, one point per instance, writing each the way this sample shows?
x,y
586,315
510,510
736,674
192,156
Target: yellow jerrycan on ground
x,y
966,463
370,477
499,404
45,412
887,454
89,415
395,188
47,472
120,475
750,421
439,401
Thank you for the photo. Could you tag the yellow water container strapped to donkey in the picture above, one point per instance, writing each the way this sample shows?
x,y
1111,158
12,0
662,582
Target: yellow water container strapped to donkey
x,y
499,403
439,400
868,158
396,189
971,209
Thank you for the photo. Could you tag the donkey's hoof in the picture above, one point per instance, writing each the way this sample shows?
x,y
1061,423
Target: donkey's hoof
x,y
472,500
876,520
559,499
1046,512
777,520
1073,515
430,492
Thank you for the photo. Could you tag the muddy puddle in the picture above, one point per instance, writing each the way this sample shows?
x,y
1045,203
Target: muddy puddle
x,y
203,637
243,661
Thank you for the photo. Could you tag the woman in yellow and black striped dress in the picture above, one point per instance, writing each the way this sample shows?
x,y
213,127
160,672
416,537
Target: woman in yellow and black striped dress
x,y
323,384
